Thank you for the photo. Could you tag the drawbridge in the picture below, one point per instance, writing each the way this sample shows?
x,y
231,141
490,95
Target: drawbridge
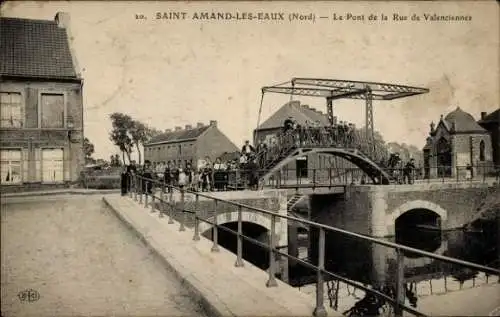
x,y
358,148
293,145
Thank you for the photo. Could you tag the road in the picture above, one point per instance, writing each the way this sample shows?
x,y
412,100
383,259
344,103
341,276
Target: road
x,y
82,261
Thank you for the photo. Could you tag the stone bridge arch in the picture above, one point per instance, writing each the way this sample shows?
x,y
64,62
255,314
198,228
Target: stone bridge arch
x,y
246,216
411,205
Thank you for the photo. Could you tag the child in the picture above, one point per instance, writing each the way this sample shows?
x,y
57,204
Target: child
x,y
183,179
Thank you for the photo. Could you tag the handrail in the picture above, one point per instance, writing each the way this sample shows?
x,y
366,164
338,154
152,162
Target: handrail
x,y
398,302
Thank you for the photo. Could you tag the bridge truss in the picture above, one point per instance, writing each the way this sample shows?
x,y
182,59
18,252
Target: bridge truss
x,y
333,89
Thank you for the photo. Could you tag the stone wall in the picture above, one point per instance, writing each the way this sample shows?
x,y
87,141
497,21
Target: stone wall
x,y
273,201
373,210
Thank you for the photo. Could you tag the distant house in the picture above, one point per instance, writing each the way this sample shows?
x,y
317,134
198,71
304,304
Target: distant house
x,y
315,166
456,142
490,122
41,123
189,145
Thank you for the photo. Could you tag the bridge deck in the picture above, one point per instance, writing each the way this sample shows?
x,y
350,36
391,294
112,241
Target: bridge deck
x,y
227,290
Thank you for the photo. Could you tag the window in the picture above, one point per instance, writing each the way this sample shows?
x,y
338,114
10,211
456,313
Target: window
x,y
52,111
52,165
481,151
10,166
11,110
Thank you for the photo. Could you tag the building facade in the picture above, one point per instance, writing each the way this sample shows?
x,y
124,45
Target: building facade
x,y
41,128
490,122
189,145
457,145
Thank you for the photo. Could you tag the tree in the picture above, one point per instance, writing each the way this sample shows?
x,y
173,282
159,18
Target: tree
x,y
151,133
138,134
88,150
120,134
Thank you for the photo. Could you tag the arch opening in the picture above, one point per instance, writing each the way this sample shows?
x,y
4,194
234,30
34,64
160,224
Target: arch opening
x,y
252,253
369,167
419,228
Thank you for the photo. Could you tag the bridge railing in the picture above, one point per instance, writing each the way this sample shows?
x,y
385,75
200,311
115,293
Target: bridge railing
x,y
316,137
329,177
145,188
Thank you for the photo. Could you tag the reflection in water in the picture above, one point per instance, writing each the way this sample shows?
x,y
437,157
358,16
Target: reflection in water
x,y
376,265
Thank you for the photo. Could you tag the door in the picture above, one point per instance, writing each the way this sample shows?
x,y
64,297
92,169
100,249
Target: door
x,y
52,165
301,167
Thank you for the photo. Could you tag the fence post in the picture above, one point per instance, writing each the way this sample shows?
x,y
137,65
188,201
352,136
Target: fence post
x,y
330,176
129,185
400,280
215,229
239,247
172,205
272,261
162,200
141,189
319,310
196,236
153,196
183,212
135,187
146,194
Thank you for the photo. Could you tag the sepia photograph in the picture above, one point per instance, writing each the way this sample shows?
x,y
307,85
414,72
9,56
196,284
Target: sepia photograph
x,y
250,158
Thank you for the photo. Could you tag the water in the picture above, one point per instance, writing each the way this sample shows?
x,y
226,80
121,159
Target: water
x,y
376,265
82,261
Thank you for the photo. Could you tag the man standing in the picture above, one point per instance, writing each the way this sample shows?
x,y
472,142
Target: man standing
x,y
247,149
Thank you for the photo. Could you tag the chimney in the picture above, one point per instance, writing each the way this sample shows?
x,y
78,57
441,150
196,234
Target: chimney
x,y
168,130
199,125
178,128
62,19
213,123
483,115
188,127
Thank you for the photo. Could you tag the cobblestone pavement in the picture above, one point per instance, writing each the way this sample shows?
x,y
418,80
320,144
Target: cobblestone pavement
x,y
82,261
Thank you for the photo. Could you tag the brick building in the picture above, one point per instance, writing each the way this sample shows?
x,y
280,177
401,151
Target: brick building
x,y
189,144
303,167
41,102
490,122
457,141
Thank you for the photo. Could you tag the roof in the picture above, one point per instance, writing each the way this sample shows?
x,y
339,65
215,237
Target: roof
x,y
179,136
462,122
35,48
493,117
301,113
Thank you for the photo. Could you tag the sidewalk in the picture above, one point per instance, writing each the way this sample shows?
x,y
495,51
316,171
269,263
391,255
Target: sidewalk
x,y
65,191
212,278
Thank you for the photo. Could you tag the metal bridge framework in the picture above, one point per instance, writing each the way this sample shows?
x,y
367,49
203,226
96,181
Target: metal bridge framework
x,y
332,89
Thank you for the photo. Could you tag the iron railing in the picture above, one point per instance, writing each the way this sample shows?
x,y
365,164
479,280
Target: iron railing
x,y
145,187
330,177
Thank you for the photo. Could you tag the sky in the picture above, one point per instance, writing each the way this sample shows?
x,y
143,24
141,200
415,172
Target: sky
x,y
170,73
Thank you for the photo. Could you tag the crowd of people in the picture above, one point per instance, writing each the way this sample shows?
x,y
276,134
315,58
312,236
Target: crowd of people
x,y
243,170
206,176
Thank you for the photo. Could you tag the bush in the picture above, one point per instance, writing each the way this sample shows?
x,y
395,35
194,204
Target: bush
x,y
96,180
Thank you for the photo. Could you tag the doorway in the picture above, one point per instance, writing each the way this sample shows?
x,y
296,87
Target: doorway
x,y
301,167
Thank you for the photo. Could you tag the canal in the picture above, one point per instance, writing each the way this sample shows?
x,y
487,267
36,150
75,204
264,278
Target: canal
x,y
78,258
